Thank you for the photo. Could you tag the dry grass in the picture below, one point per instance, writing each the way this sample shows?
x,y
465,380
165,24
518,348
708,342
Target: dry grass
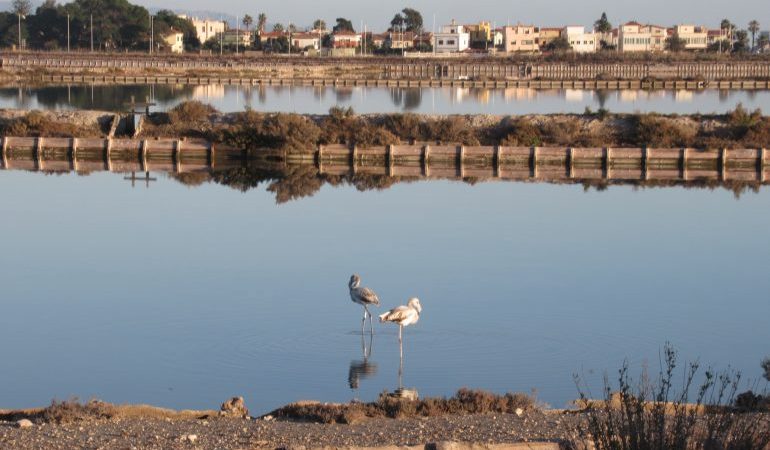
x,y
465,401
40,124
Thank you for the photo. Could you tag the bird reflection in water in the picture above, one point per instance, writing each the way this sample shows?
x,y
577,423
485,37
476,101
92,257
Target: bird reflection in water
x,y
362,369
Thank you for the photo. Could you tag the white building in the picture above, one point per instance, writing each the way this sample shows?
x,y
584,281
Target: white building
x,y
580,40
635,37
175,41
452,38
206,29
695,38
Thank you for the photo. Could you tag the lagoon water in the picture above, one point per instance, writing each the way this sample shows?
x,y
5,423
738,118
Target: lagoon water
x,y
318,100
183,296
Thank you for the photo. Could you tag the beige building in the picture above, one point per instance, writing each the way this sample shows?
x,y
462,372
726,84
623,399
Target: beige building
x,y
635,37
547,35
306,41
521,38
453,38
206,29
175,41
233,37
694,37
345,39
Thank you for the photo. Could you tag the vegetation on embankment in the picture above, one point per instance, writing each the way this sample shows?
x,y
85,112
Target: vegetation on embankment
x,y
739,128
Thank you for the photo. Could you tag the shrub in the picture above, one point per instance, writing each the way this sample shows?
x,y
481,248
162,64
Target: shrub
x,y
656,131
655,415
291,132
405,126
520,132
191,112
72,410
452,129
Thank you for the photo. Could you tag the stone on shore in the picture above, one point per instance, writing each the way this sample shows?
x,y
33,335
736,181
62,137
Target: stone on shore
x,y
234,407
24,423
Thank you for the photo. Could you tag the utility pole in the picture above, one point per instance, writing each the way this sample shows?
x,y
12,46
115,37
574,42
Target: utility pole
x,y
19,14
68,33
222,37
92,33
237,33
152,32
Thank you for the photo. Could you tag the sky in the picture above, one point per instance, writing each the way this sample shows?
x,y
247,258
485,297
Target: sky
x,y
539,12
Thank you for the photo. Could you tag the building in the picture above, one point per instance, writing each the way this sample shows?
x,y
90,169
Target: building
x,y
521,38
498,37
580,40
716,36
378,39
695,38
547,35
175,41
304,41
635,37
397,40
453,38
206,29
345,39
231,38
480,33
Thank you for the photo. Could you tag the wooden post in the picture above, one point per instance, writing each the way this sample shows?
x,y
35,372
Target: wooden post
x,y
533,163
390,155
354,157
108,154
5,152
143,146
608,162
320,157
461,161
684,163
74,153
723,164
426,160
39,152
212,155
646,163
496,157
762,177
570,162
177,155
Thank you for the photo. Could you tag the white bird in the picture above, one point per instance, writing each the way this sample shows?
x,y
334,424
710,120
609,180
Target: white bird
x,y
403,316
364,297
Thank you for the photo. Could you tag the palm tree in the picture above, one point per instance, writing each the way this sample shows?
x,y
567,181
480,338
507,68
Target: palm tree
x,y
292,28
319,24
278,27
247,21
754,29
261,21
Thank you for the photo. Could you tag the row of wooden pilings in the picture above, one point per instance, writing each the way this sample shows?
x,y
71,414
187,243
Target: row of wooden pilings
x,y
614,162
110,149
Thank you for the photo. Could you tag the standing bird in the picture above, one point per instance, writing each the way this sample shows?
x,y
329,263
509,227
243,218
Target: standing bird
x,y
403,316
364,297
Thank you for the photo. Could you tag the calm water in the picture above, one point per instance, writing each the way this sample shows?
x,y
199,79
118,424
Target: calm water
x,y
183,296
318,100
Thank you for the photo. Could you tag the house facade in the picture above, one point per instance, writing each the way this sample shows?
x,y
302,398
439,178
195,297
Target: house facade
x,y
580,40
175,41
232,37
547,35
397,40
521,38
635,37
345,39
453,38
694,37
206,29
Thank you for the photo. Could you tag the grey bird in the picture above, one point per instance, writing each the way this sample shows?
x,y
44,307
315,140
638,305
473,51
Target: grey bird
x,y
364,297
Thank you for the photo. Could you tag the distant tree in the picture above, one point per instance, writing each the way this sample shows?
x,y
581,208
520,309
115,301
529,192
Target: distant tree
x,y
319,24
167,21
766,367
560,44
728,28
413,20
763,42
292,28
603,25
247,22
741,41
261,21
343,25
278,27
397,22
753,29
21,7
675,44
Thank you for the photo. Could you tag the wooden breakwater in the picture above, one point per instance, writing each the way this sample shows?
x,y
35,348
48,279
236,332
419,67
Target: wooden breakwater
x,y
474,70
541,163
115,155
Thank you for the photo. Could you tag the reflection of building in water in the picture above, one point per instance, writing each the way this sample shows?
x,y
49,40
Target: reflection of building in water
x,y
457,95
683,95
208,91
483,96
519,94
573,95
629,96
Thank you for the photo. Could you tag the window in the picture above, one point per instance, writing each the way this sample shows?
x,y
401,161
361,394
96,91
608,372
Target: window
x,y
441,42
451,42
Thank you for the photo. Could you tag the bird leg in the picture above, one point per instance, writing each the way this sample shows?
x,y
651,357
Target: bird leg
x,y
401,342
366,311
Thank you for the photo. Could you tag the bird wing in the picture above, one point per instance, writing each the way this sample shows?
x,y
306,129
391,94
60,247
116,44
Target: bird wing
x,y
367,296
397,314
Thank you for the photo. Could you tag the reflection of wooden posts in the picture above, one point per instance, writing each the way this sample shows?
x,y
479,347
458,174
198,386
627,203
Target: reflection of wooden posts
x,y
178,155
108,154
762,176
496,158
723,164
143,147
425,158
320,154
607,163
570,162
74,154
39,152
390,160
533,162
645,163
461,160
212,155
5,152
683,166
354,157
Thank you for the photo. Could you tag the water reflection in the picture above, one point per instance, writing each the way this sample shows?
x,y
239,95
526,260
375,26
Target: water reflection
x,y
436,100
361,369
